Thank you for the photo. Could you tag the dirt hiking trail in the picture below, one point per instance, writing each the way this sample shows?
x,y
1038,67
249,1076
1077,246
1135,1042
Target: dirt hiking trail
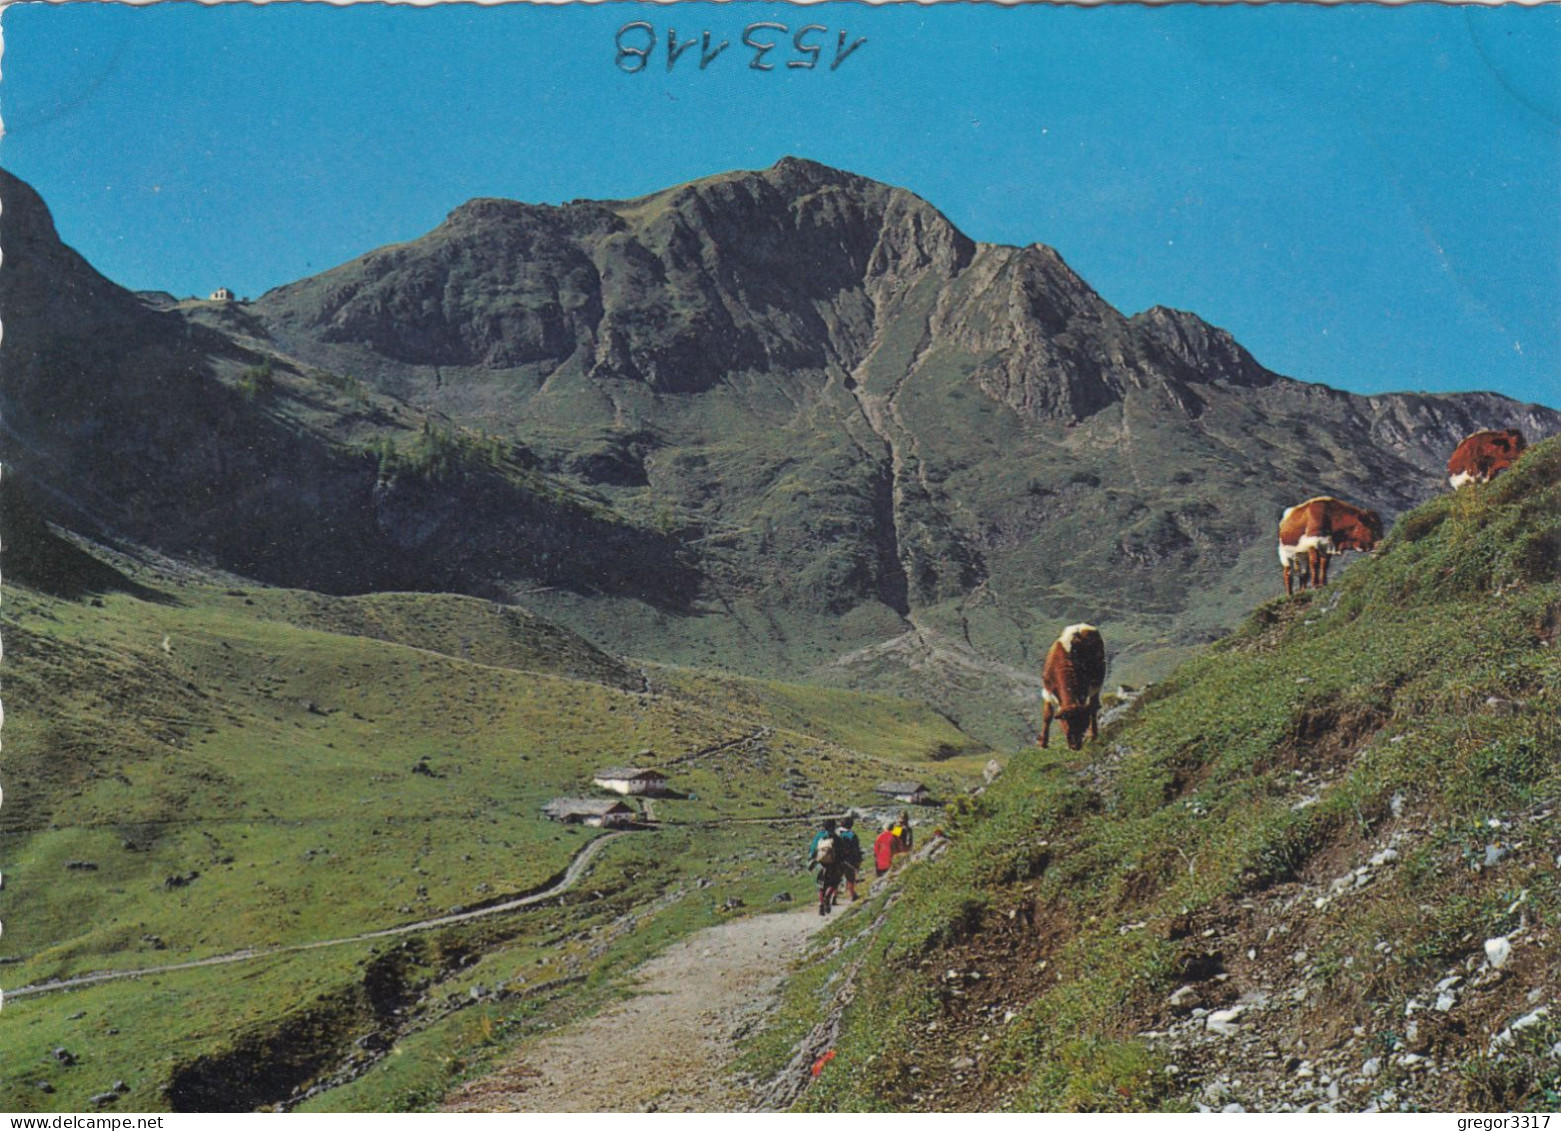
x,y
668,1047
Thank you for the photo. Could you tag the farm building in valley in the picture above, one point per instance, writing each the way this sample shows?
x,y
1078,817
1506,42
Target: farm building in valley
x,y
591,811
627,779
913,792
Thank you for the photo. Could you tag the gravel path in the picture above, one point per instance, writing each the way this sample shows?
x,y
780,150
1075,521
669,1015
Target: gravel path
x,y
666,1048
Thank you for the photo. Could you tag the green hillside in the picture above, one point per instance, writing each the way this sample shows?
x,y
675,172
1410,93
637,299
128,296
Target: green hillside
x,y
194,770
1271,884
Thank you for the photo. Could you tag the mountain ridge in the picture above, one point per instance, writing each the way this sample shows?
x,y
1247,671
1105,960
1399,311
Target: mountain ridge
x,y
808,413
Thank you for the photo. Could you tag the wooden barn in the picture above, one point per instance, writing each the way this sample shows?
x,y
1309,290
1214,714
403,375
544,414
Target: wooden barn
x,y
913,792
631,780
591,811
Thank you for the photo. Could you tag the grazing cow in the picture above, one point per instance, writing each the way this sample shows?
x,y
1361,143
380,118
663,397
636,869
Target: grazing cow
x,y
1320,528
1483,456
1070,683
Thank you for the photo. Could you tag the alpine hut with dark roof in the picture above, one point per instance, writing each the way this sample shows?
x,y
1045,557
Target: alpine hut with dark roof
x,y
913,792
632,780
591,811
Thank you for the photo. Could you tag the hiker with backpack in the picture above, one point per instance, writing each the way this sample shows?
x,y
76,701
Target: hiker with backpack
x,y
850,852
885,849
824,859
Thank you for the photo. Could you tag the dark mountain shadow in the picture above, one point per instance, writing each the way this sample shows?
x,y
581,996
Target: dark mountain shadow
x,y
37,558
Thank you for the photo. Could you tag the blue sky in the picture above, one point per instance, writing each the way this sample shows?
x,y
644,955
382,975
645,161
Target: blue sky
x,y
1365,196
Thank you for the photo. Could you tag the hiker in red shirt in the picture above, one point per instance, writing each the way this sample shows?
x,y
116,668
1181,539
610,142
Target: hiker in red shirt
x,y
884,850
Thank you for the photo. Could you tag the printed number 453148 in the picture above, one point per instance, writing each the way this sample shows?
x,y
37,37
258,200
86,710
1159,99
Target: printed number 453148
x,y
637,43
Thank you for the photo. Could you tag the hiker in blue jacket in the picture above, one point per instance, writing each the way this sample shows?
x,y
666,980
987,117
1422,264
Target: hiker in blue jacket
x,y
850,853
824,860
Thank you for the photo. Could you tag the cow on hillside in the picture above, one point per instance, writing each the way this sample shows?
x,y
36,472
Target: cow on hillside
x,y
1071,681
1319,528
1483,456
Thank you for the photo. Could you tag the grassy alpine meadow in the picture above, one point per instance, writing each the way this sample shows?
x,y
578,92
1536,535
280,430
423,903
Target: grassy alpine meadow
x,y
1393,735
194,770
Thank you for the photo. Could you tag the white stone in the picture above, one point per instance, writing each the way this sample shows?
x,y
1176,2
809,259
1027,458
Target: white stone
x,y
1386,856
1497,951
1529,1019
1370,1069
1223,1021
1445,1002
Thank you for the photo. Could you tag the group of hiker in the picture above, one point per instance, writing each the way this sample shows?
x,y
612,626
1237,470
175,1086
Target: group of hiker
x,y
835,855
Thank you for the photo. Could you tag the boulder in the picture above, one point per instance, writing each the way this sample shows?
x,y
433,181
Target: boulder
x,y
1224,1021
1497,951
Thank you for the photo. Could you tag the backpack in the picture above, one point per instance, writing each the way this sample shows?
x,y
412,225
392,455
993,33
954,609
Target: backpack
x,y
850,848
825,852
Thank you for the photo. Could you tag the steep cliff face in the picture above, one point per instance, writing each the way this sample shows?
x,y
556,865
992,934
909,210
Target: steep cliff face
x,y
815,411
779,270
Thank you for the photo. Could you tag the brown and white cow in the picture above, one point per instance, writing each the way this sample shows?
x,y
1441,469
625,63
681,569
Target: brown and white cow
x,y
1318,529
1483,456
1071,679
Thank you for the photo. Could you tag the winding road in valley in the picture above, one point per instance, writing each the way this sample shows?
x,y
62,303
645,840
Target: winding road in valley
x,y
577,866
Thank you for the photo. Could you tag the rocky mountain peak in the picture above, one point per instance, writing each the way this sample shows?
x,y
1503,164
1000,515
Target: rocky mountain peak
x,y
1197,351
